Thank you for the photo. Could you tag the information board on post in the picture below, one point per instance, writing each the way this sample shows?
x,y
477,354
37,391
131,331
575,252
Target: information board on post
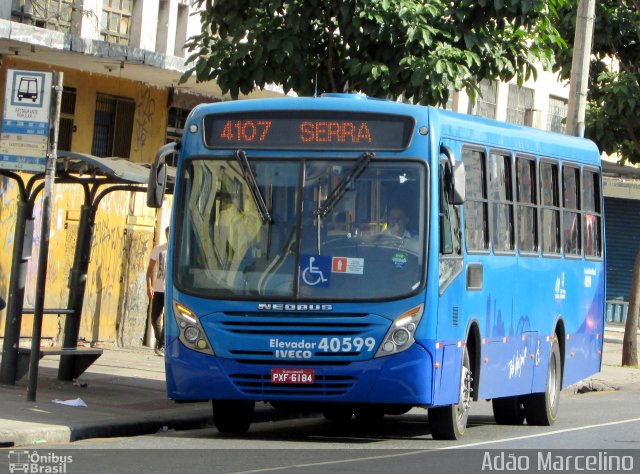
x,y
25,120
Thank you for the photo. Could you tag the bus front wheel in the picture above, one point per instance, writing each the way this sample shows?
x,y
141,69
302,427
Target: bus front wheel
x,y
450,422
541,409
233,416
338,413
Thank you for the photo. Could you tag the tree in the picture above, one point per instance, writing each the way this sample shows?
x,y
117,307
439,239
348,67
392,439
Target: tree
x,y
613,106
383,48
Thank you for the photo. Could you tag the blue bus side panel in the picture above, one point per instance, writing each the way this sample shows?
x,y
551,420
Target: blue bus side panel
x,y
583,342
448,391
532,299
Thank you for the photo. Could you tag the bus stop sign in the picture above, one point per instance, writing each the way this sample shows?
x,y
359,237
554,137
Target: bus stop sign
x,y
25,121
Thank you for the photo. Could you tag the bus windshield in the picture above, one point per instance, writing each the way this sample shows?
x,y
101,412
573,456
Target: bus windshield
x,y
368,244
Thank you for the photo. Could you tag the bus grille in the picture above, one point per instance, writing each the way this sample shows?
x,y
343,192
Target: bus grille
x,y
263,337
324,385
295,328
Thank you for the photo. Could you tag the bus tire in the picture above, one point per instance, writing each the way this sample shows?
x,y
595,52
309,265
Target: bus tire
x,y
541,409
338,414
369,415
450,422
233,416
508,410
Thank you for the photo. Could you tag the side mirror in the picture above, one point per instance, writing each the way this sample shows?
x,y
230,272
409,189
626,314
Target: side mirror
x,y
458,189
158,176
157,185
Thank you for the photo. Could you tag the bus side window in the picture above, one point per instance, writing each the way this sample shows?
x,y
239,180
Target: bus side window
x,y
571,222
550,208
450,239
501,196
476,220
592,214
527,211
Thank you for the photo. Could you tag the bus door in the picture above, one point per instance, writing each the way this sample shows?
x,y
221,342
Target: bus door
x,y
451,329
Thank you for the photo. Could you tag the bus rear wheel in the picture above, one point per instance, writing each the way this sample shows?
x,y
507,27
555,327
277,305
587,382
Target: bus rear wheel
x,y
541,409
233,416
508,410
450,422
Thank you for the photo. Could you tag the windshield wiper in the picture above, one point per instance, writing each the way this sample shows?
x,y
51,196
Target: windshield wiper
x,y
250,179
339,190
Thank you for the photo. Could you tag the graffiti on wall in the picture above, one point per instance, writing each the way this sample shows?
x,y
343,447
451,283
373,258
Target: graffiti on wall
x,y
115,301
145,108
8,198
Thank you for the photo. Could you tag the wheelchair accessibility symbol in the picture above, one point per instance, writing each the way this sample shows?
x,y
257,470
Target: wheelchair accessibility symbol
x,y
315,270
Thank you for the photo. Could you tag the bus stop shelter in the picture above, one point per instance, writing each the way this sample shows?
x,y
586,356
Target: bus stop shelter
x,y
97,177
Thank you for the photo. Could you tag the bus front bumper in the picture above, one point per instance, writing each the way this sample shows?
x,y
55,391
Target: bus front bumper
x,y
404,378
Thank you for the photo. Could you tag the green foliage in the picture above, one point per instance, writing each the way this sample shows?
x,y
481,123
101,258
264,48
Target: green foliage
x,y
383,48
613,101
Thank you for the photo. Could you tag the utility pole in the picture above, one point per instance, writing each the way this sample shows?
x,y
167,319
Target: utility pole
x,y
580,68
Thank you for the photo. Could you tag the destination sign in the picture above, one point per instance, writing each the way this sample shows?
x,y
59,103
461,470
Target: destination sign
x,y
303,130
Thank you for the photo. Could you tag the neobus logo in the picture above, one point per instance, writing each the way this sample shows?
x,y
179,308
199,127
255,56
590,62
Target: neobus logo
x,y
294,307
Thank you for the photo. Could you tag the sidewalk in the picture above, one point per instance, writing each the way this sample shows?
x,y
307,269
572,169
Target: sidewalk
x,y
124,391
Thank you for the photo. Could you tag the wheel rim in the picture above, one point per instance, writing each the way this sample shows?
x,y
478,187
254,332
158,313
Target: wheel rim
x,y
465,399
552,381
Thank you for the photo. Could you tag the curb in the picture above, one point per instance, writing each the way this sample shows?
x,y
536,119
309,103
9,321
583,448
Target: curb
x,y
132,426
138,427
612,340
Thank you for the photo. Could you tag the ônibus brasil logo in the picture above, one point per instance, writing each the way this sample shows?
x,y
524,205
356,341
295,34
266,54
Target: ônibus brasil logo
x,y
37,463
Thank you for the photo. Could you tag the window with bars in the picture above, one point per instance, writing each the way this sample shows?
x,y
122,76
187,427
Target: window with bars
x,y
175,126
49,14
487,99
115,24
113,126
175,123
67,112
520,105
557,115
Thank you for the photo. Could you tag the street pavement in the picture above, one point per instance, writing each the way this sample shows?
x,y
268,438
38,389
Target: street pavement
x,y
124,393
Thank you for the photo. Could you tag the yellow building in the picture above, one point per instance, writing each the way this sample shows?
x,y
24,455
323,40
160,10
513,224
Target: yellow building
x,y
121,98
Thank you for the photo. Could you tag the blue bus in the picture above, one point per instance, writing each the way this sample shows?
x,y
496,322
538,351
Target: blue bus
x,y
361,257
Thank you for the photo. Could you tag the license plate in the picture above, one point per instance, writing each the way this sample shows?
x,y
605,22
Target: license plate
x,y
293,376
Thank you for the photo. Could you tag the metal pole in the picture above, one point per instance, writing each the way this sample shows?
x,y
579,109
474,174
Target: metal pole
x,y
49,178
576,109
77,286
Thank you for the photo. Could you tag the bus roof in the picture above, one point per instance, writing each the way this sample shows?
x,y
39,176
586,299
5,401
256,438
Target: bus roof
x,y
463,127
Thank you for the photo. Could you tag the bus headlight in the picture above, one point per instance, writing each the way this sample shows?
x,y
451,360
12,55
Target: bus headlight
x,y
400,335
191,332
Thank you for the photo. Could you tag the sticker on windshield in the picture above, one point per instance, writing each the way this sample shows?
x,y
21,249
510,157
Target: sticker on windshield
x,y
352,266
399,259
315,270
